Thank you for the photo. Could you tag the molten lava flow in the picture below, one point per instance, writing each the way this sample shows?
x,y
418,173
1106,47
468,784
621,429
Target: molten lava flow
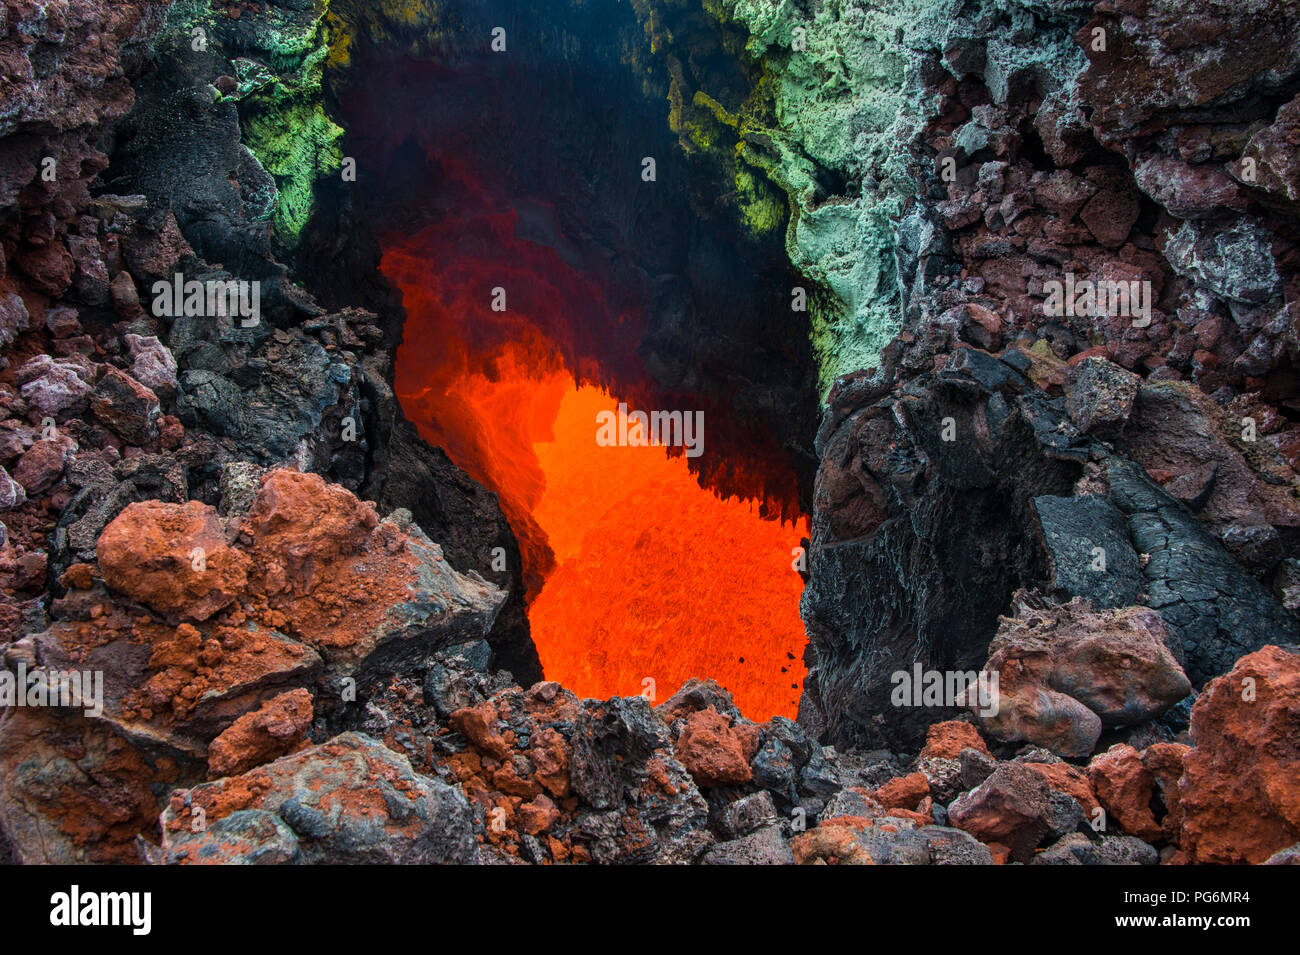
x,y
633,570
658,578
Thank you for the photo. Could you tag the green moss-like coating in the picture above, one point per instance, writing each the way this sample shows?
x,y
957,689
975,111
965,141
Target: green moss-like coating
x,y
277,58
762,208
841,79
284,120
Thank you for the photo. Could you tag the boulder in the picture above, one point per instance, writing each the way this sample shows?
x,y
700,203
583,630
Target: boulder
x,y
1065,671
174,558
1012,808
1238,794
711,750
350,801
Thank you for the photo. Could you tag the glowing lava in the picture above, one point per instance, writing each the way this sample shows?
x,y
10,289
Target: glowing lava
x,y
634,571
658,578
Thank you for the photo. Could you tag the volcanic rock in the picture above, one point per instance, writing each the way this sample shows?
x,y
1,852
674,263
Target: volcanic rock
x,y
905,792
152,364
1220,610
265,734
886,840
1099,396
54,387
14,319
764,847
747,814
72,791
1077,849
1123,785
349,801
711,751
245,837
1238,794
1010,808
126,406
1066,671
174,558
948,739
42,466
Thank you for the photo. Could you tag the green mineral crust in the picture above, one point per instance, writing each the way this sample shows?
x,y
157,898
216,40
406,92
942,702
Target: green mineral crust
x,y
841,77
277,59
284,120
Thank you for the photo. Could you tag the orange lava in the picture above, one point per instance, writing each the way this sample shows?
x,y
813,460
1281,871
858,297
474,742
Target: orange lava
x,y
634,571
658,578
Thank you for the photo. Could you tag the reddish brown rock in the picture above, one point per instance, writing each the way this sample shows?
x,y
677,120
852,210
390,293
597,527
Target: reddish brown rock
x,y
1188,192
1029,711
305,522
173,557
50,267
42,466
1070,780
550,759
946,740
1179,429
478,724
750,735
1240,790
79,576
905,792
29,572
1124,786
1165,761
537,816
1065,671
1179,56
126,406
1111,214
1010,808
852,497
125,298
1118,664
711,750
268,733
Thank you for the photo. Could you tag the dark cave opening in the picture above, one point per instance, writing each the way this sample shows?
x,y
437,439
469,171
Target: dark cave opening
x,y
544,279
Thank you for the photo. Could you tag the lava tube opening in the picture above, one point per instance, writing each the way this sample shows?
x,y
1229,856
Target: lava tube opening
x,y
542,288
